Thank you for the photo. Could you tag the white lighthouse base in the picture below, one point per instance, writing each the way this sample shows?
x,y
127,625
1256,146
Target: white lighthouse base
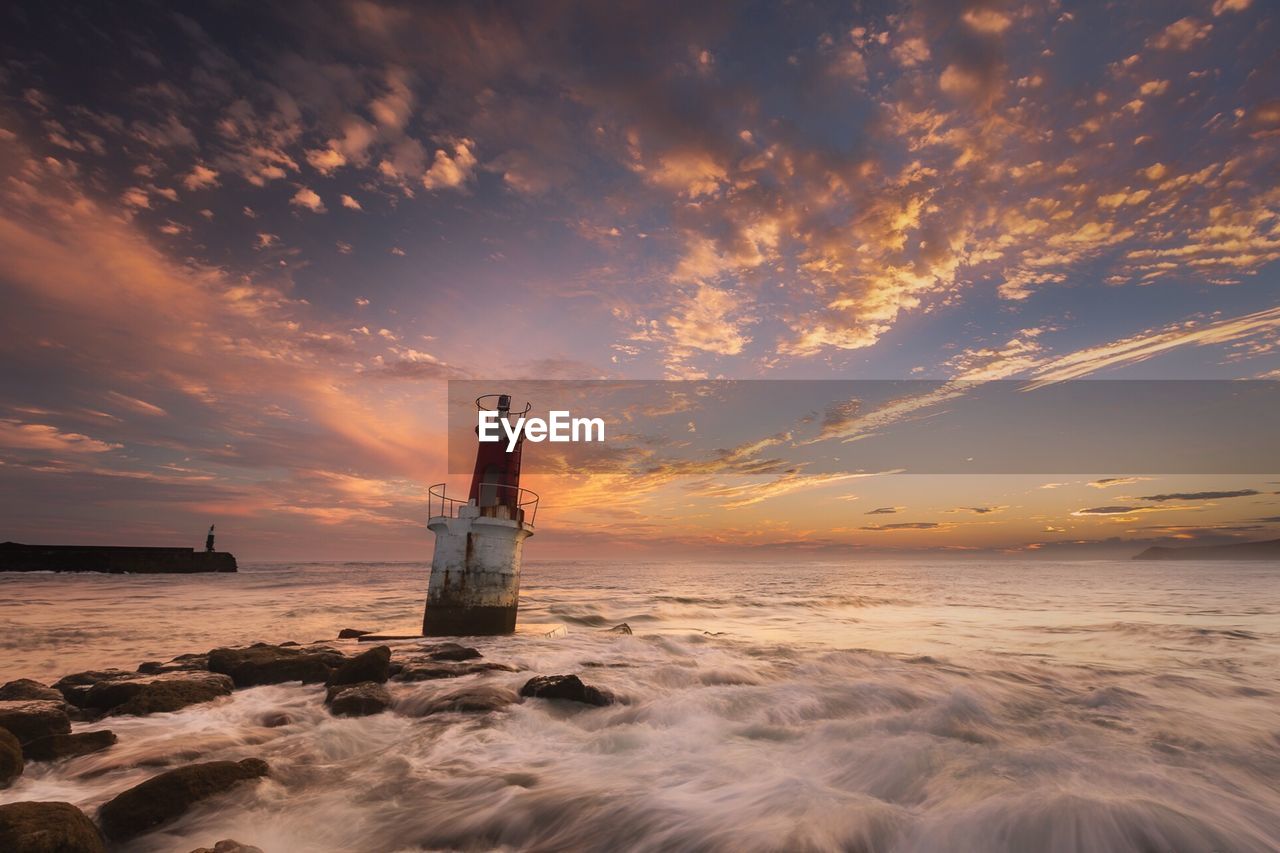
x,y
475,572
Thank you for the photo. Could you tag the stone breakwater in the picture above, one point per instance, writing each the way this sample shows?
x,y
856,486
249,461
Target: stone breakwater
x,y
38,723
112,560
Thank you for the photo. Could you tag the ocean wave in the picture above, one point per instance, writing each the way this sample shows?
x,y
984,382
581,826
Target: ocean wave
x,y
754,730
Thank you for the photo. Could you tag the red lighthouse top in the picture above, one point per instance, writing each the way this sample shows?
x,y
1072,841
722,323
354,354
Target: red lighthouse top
x,y
496,479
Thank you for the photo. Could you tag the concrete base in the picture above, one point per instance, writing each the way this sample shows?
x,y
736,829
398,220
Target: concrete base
x,y
475,572
444,620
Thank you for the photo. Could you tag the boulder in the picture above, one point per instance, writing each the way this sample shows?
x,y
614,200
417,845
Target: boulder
x,y
357,700
168,795
450,651
568,687
11,762
155,694
172,694
373,665
444,669
25,688
351,633
31,720
228,845
47,828
59,747
266,664
75,687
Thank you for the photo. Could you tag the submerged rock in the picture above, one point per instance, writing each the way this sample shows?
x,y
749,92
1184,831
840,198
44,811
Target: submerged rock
x,y
11,762
358,700
624,628
373,665
450,651
568,687
267,664
156,694
479,698
25,688
228,845
182,663
47,828
351,633
444,669
59,747
168,795
32,720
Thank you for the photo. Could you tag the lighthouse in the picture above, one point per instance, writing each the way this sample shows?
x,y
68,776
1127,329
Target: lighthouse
x,y
475,571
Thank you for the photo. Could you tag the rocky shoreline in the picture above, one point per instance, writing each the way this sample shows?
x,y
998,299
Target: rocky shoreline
x,y
36,724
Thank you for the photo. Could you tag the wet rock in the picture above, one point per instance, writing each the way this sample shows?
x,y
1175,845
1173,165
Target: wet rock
x,y
351,633
433,671
479,698
47,828
372,665
266,664
11,762
450,651
276,720
568,687
358,700
59,747
168,795
25,688
80,715
164,696
182,663
156,694
75,687
624,628
32,720
227,845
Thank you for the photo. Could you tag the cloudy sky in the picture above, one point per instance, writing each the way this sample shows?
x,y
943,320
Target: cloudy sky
x,y
244,247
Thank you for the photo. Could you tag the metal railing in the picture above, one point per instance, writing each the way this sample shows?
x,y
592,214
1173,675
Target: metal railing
x,y
484,407
523,501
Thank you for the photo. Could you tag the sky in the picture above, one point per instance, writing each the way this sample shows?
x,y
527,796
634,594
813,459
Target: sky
x,y
244,248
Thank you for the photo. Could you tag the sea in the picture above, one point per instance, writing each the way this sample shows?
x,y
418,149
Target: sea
x,y
885,705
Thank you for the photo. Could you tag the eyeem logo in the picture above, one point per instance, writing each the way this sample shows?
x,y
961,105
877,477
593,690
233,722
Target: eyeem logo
x,y
561,427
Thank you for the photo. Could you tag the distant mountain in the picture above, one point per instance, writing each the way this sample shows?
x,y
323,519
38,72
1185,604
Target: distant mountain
x,y
1269,550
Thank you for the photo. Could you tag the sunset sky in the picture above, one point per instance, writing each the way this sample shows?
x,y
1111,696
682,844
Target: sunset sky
x,y
244,247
